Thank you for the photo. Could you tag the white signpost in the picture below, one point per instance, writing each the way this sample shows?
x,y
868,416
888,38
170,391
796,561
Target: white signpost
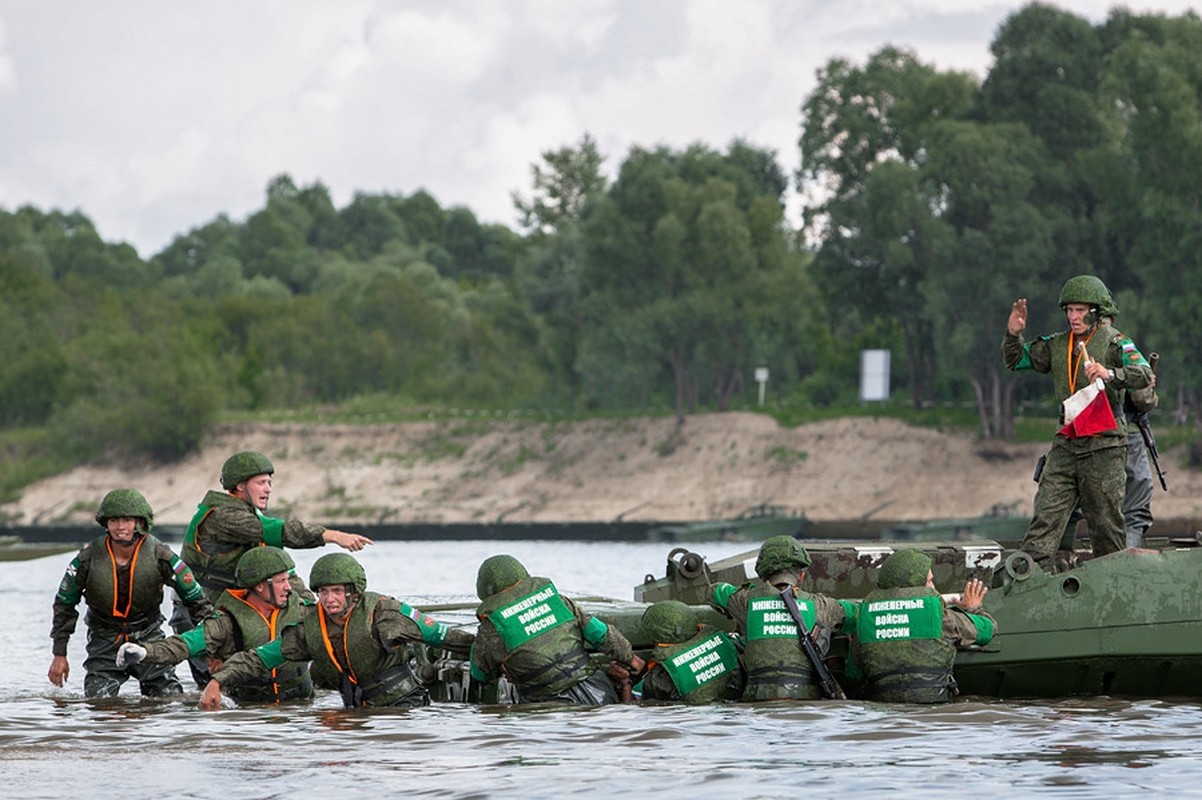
x,y
761,377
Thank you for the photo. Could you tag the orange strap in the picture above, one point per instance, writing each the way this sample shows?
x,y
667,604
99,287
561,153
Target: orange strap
x,y
1073,367
133,563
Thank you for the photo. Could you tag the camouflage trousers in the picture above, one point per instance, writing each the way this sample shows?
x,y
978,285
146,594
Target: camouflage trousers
x,y
1137,497
102,676
1095,480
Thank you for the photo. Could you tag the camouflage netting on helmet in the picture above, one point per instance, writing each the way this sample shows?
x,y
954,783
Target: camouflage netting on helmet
x,y
497,573
907,567
338,569
1091,291
780,553
243,466
669,621
260,563
125,503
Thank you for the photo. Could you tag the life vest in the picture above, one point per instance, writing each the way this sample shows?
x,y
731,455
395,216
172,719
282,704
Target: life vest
x,y
700,668
777,667
1097,346
289,681
138,607
213,562
904,658
544,645
374,676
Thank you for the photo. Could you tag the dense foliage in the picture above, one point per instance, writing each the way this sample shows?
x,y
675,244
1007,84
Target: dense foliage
x,y
934,201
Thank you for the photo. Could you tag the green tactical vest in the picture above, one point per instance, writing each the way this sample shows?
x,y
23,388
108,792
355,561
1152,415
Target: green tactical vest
x,y
146,591
213,563
904,658
374,676
545,656
291,680
701,667
777,668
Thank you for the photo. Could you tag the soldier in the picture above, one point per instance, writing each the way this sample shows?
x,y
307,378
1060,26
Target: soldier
x,y
691,662
907,636
1137,495
775,663
228,524
538,639
121,575
356,639
245,618
1080,470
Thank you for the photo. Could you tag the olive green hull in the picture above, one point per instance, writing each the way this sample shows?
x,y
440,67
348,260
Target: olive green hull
x,y
1128,624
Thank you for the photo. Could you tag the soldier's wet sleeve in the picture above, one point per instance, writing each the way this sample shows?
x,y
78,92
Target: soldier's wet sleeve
x,y
399,622
66,600
963,629
657,685
178,575
605,637
248,665
720,595
174,649
487,653
833,614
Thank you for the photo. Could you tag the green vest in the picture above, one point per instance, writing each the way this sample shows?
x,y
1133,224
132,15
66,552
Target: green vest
x,y
545,656
1098,346
289,681
701,667
777,668
145,590
375,676
212,562
904,658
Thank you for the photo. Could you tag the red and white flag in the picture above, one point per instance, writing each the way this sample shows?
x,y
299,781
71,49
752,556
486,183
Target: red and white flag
x,y
1087,411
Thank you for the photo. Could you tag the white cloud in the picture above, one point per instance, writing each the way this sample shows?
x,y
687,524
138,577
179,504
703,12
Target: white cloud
x,y
154,118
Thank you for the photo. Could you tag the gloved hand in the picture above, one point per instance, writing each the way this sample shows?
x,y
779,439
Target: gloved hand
x,y
130,653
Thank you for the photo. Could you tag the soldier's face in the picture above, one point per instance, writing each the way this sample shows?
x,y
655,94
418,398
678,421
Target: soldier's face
x,y
122,529
257,491
334,599
1075,312
275,590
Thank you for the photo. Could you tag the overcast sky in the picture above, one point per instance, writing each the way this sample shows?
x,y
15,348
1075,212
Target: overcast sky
x,y
153,117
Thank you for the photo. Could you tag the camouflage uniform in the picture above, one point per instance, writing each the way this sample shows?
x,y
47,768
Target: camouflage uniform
x,y
546,659
220,636
366,651
906,636
776,667
1088,470
693,663
123,606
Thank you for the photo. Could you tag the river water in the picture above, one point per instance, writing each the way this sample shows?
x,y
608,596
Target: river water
x,y
53,743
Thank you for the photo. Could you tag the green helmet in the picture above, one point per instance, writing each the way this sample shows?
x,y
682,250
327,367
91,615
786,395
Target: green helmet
x,y
260,563
242,466
778,554
1089,290
669,622
125,503
497,573
908,567
335,569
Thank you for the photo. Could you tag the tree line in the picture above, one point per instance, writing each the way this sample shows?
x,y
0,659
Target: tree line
x,y
933,199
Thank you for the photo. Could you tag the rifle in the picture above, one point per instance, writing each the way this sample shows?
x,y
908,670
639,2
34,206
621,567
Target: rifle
x,y
1145,431
830,686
